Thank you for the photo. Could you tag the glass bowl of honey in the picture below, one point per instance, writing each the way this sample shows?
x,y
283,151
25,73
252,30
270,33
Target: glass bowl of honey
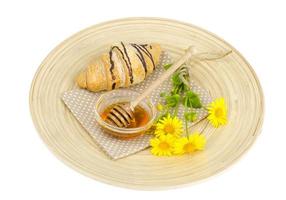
x,y
144,113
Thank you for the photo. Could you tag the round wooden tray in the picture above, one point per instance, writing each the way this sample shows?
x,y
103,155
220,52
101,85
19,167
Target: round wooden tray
x,y
231,77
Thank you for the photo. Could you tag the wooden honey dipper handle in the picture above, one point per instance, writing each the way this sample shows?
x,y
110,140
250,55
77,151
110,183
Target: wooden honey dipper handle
x,y
189,52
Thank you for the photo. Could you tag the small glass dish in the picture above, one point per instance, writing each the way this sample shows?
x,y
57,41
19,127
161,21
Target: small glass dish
x,y
121,96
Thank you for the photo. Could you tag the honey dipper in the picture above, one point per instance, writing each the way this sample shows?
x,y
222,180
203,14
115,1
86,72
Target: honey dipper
x,y
121,114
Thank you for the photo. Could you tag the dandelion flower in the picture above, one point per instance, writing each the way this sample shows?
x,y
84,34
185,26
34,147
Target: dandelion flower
x,y
217,112
190,144
163,145
169,125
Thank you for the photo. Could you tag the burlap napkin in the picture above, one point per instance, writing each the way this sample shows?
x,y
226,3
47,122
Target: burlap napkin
x,y
81,103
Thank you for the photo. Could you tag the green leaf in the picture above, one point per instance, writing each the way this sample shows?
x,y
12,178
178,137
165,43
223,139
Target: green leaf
x,y
192,100
172,100
190,116
167,66
176,79
163,94
178,84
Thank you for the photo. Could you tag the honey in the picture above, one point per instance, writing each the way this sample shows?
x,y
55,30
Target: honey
x,y
141,116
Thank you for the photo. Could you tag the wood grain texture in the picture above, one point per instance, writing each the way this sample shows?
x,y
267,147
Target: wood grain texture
x,y
231,77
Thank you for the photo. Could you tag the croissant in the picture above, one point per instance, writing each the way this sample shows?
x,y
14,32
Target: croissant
x,y
122,66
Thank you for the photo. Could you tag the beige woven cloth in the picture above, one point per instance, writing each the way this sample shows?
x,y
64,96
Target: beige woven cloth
x,y
82,103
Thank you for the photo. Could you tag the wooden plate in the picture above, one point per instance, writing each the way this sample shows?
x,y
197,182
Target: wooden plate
x,y
232,78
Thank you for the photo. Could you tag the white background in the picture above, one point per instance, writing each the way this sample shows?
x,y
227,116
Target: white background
x,y
30,29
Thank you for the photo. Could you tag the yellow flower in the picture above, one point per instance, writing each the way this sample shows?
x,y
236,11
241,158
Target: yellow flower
x,y
160,107
163,145
190,144
217,112
169,125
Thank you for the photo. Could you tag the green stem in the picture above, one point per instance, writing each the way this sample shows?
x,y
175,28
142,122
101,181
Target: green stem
x,y
186,121
187,128
176,110
167,110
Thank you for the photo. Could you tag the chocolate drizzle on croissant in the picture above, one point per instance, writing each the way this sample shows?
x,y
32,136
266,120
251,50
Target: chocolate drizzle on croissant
x,y
127,62
141,57
142,48
122,66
